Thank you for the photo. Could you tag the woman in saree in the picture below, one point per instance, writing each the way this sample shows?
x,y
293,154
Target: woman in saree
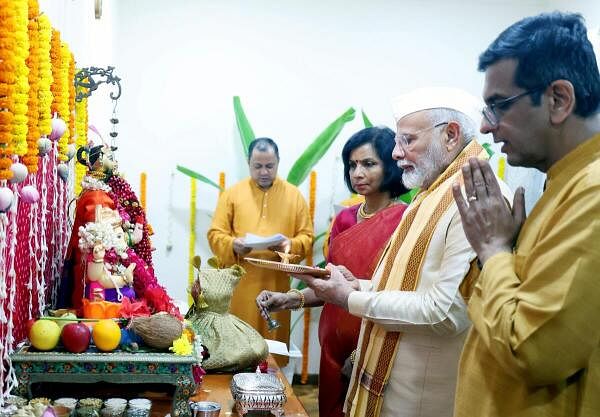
x,y
358,236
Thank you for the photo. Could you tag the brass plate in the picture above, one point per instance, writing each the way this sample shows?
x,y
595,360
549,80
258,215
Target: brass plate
x,y
289,268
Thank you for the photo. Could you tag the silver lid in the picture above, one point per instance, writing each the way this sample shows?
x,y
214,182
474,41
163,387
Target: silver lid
x,y
205,406
257,383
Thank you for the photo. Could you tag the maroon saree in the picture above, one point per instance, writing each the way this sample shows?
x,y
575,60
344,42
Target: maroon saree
x,y
358,247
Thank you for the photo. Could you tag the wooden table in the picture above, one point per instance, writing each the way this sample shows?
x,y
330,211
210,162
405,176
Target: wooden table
x,y
215,387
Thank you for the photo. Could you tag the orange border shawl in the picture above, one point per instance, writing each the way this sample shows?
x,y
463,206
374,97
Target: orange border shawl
x,y
402,261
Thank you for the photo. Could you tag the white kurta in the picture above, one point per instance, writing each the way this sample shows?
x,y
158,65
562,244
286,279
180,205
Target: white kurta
x,y
433,320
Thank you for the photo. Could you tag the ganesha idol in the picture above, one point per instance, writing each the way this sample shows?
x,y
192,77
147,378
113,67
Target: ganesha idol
x,y
103,245
109,257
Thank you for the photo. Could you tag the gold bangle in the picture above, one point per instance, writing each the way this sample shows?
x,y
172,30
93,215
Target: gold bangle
x,y
295,291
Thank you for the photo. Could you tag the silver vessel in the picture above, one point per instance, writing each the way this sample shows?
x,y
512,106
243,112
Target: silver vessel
x,y
254,392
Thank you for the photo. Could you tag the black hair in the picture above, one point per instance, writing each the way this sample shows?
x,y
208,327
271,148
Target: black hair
x,y
262,145
92,154
382,140
548,47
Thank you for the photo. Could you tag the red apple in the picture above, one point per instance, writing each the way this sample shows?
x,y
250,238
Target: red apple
x,y
76,337
28,324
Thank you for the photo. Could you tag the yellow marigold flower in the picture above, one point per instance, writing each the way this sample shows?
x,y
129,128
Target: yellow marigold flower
x,y
182,346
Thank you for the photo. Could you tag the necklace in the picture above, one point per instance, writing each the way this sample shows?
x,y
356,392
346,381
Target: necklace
x,y
364,215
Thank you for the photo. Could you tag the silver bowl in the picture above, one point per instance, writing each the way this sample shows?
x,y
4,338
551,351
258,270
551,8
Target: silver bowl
x,y
205,409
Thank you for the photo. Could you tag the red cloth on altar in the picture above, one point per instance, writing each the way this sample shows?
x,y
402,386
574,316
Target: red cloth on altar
x,y
85,211
358,247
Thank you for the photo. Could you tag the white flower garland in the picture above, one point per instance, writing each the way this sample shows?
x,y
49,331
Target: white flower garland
x,y
41,278
91,183
103,233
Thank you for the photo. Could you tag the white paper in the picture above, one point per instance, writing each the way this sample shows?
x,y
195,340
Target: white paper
x,y
277,347
260,242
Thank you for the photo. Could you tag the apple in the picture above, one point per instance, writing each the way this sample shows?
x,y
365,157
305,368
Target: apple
x,y
76,337
63,319
28,324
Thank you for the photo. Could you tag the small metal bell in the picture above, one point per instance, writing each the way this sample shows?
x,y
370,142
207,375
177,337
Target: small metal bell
x,y
272,324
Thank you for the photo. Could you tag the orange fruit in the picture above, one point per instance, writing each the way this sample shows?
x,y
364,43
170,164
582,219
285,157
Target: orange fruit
x,y
106,335
44,334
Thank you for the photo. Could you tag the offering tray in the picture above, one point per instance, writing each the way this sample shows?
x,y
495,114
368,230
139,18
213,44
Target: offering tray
x,y
289,268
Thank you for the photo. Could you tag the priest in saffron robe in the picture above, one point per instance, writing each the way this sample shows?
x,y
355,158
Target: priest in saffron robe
x,y
264,205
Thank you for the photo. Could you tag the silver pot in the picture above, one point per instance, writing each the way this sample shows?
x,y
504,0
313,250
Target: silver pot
x,y
205,409
258,392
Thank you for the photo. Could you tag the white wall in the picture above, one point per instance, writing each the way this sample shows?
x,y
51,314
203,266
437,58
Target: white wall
x,y
90,40
297,66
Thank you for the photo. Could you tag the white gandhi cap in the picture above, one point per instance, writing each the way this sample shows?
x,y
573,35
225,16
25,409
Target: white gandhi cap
x,y
436,98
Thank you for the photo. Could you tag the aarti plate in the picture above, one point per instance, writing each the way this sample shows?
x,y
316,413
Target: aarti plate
x,y
289,268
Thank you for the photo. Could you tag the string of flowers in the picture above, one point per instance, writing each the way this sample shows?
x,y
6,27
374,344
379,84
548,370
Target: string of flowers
x,y
9,338
502,168
46,79
43,228
71,85
3,319
63,109
81,128
192,244
8,24
21,92
309,261
30,159
55,62
221,182
143,178
55,225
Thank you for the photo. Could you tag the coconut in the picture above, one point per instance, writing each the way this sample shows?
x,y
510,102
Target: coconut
x,y
159,330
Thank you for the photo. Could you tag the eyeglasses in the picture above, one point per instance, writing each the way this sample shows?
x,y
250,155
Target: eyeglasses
x,y
494,111
407,140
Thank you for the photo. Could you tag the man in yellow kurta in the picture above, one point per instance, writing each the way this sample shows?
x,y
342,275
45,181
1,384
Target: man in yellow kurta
x,y
534,348
264,205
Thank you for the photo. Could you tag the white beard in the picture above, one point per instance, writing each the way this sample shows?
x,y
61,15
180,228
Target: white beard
x,y
426,169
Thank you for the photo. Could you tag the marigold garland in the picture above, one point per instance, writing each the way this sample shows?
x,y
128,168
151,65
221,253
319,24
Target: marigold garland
x,y
8,27
502,168
192,244
221,182
71,84
33,133
21,92
143,178
309,261
81,128
56,85
45,96
64,111
33,9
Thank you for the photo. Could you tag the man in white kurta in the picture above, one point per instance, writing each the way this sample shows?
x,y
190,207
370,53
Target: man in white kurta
x,y
414,315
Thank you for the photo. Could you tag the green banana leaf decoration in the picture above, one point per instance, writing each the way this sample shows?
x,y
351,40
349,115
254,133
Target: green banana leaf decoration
x,y
305,163
408,197
488,149
366,120
243,125
197,176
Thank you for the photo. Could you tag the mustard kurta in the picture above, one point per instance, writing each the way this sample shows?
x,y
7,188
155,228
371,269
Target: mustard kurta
x,y
534,346
245,208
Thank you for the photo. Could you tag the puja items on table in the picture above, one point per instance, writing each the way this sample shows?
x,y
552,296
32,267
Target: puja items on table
x,y
258,392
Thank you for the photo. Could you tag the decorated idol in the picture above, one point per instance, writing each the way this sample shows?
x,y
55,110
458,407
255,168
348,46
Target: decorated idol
x,y
127,256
